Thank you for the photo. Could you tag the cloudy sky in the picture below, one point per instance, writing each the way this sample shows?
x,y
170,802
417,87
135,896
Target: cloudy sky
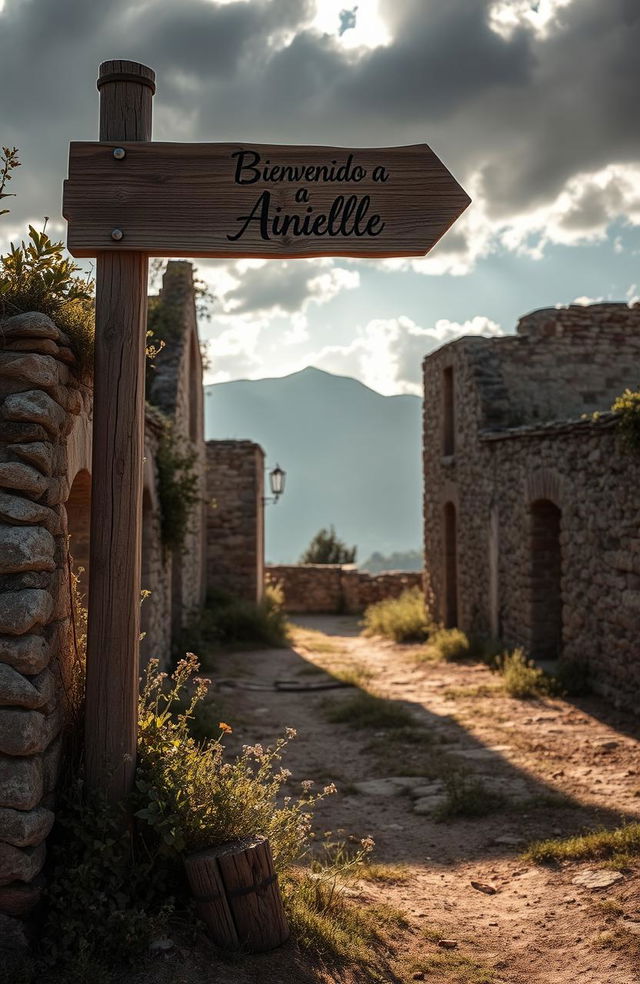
x,y
532,105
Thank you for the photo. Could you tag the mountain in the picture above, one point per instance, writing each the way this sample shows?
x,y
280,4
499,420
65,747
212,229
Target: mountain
x,y
352,458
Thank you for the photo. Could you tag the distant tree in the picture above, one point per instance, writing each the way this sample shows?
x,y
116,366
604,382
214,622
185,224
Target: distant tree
x,y
326,548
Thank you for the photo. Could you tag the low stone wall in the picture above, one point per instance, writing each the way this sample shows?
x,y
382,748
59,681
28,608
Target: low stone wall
x,y
336,588
41,401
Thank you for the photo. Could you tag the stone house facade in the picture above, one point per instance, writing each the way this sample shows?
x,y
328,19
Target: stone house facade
x,y
45,496
532,506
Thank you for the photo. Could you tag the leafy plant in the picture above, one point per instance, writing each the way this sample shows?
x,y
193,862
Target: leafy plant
x,y
8,162
403,619
178,488
106,896
193,797
327,548
36,276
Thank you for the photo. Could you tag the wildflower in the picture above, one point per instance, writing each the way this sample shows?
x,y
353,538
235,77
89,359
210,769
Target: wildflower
x,y
368,843
290,732
307,785
330,788
225,728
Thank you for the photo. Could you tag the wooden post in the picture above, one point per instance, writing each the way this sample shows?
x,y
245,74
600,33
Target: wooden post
x,y
126,92
236,888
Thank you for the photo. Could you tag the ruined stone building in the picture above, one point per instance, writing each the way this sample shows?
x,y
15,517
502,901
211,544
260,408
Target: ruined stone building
x,y
532,506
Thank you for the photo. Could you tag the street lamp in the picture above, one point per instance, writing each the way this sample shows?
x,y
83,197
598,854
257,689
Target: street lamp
x,y
276,481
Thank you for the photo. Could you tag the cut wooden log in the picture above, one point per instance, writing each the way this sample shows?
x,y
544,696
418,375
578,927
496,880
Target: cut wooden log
x,y
236,888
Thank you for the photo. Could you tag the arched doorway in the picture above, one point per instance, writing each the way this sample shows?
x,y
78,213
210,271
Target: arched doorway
x,y
450,567
546,580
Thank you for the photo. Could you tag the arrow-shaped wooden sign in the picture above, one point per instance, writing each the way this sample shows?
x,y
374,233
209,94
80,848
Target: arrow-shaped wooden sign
x,y
257,200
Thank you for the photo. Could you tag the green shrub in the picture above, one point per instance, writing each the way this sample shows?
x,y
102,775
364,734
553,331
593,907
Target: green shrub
x,y
36,276
192,797
107,897
451,644
227,621
522,678
403,619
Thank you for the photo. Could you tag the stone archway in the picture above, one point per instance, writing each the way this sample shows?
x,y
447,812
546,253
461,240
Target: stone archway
x,y
546,580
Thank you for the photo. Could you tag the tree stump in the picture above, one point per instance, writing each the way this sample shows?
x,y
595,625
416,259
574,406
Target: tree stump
x,y
236,888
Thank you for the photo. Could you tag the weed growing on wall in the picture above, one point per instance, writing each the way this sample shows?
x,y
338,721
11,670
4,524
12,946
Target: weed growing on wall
x,y
178,488
627,407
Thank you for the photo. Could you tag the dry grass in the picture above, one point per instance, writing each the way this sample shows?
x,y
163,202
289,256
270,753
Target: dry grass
x,y
619,847
402,619
365,710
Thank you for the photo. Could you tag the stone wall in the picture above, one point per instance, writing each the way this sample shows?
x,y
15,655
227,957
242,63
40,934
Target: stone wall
x,y
45,508
531,520
42,403
235,518
336,588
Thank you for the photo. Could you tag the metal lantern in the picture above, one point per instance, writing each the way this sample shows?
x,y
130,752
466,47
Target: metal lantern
x,y
276,481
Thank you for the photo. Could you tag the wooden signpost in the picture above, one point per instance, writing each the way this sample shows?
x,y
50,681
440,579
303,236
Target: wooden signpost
x,y
127,199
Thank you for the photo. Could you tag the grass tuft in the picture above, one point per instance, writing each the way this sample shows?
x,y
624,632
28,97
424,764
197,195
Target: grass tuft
x,y
467,798
622,844
522,678
365,710
402,619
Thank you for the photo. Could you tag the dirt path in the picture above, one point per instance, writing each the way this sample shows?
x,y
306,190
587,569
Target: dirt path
x,y
560,767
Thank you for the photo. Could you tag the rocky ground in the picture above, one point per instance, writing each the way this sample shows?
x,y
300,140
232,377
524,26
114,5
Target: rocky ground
x,y
476,911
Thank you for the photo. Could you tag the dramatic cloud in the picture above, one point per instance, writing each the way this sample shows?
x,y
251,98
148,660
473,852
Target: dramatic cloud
x,y
532,105
387,354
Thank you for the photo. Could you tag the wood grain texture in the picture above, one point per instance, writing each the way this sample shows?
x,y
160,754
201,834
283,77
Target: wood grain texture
x,y
245,873
116,506
173,199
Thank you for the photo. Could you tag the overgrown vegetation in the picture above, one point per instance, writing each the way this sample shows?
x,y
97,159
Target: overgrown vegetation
x,y
327,548
227,622
178,488
37,276
618,846
403,619
627,407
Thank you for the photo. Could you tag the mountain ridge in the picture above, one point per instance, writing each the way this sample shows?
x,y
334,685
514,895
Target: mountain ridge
x,y
352,455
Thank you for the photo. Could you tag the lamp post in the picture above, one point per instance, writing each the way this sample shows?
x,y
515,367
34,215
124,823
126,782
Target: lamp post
x,y
276,482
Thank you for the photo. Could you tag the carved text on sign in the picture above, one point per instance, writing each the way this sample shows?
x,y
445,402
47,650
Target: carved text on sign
x,y
268,201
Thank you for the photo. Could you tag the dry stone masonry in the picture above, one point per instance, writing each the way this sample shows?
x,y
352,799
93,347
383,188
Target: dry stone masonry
x,y
337,588
42,397
532,514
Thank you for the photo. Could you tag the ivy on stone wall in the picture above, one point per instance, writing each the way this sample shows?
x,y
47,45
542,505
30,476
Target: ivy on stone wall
x,y
178,488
